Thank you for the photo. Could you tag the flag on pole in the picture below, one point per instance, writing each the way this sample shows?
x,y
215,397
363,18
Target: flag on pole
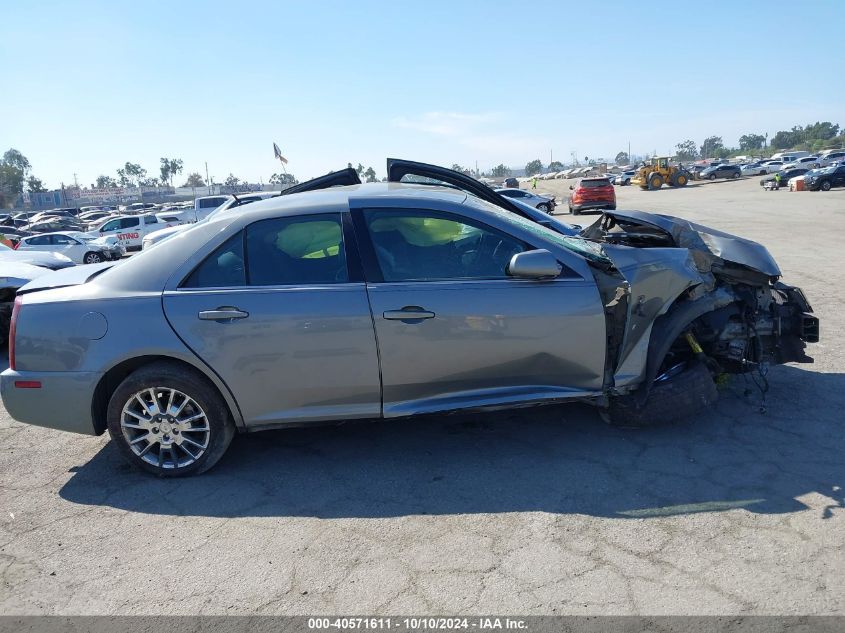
x,y
278,154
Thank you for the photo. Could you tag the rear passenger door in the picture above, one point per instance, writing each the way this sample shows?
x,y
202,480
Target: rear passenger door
x,y
281,316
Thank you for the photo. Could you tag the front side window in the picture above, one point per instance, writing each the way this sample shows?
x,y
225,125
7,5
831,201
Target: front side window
x,y
63,240
150,219
41,240
428,246
277,252
128,223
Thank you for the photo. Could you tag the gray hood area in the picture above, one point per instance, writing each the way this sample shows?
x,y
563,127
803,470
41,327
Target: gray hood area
x,y
708,246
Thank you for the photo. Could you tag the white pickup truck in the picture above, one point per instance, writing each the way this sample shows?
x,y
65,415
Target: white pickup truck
x,y
130,230
202,209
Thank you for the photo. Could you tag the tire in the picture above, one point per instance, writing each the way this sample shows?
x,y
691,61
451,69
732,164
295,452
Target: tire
x,y
712,176
543,207
681,180
655,181
674,399
825,186
574,211
130,422
92,258
736,175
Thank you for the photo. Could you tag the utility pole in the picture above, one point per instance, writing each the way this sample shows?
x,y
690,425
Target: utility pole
x,y
75,181
629,152
207,181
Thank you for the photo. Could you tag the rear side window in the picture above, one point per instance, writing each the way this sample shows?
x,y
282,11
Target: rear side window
x,y
596,182
277,252
40,240
150,219
211,203
298,250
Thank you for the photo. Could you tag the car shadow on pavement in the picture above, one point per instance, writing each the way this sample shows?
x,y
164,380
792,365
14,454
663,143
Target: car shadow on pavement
x,y
557,459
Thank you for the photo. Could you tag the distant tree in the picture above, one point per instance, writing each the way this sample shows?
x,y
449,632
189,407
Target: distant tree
x,y
370,175
194,180
13,169
150,182
534,167
35,185
456,167
15,158
687,150
104,182
751,141
282,179
710,147
131,174
501,170
555,165
786,139
169,167
232,181
622,158
820,130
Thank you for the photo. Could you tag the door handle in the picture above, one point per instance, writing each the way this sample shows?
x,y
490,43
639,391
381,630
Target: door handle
x,y
223,313
408,313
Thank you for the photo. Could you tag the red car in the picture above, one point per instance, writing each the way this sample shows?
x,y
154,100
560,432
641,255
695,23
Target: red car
x,y
591,193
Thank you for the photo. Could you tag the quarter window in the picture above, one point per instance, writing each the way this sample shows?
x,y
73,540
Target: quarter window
x,y
428,246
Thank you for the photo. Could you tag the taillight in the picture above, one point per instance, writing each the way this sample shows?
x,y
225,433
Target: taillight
x,y
13,326
15,246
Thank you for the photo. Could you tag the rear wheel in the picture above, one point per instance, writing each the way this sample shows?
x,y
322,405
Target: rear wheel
x,y
168,421
92,258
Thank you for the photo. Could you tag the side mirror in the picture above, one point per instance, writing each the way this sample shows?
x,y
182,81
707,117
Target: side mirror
x,y
536,264
572,186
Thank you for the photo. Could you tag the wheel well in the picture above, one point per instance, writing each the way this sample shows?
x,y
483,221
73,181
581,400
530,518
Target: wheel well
x,y
114,376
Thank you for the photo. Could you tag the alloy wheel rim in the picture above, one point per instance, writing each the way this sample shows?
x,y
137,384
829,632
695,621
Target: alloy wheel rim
x,y
165,427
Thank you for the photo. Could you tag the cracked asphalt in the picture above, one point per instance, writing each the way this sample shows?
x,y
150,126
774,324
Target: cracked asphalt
x,y
543,511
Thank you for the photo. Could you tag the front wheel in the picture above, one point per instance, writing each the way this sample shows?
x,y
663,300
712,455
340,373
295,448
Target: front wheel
x,y
736,175
543,207
678,393
168,421
825,186
712,176
92,258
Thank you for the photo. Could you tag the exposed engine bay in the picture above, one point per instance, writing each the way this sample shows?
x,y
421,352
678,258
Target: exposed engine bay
x,y
737,316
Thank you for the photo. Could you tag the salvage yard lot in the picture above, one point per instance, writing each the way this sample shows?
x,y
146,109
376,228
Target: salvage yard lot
x,y
543,511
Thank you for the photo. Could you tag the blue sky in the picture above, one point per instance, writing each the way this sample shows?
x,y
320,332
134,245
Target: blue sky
x,y
89,85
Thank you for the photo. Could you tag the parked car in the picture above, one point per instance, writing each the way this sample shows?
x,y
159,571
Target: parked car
x,y
825,179
306,308
233,202
720,171
201,208
753,169
130,230
543,203
13,275
52,225
511,182
785,175
79,247
624,178
591,193
809,162
830,158
51,261
771,166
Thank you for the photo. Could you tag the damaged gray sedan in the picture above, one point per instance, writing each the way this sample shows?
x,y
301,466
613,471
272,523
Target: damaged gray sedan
x,y
428,293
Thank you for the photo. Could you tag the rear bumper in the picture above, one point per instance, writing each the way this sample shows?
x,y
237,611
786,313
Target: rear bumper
x,y
62,402
593,204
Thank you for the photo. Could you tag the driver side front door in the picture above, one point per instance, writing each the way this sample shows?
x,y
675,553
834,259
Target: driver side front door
x,y
455,331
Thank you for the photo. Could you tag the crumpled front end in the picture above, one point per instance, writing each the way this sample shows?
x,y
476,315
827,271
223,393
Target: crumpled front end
x,y
696,291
